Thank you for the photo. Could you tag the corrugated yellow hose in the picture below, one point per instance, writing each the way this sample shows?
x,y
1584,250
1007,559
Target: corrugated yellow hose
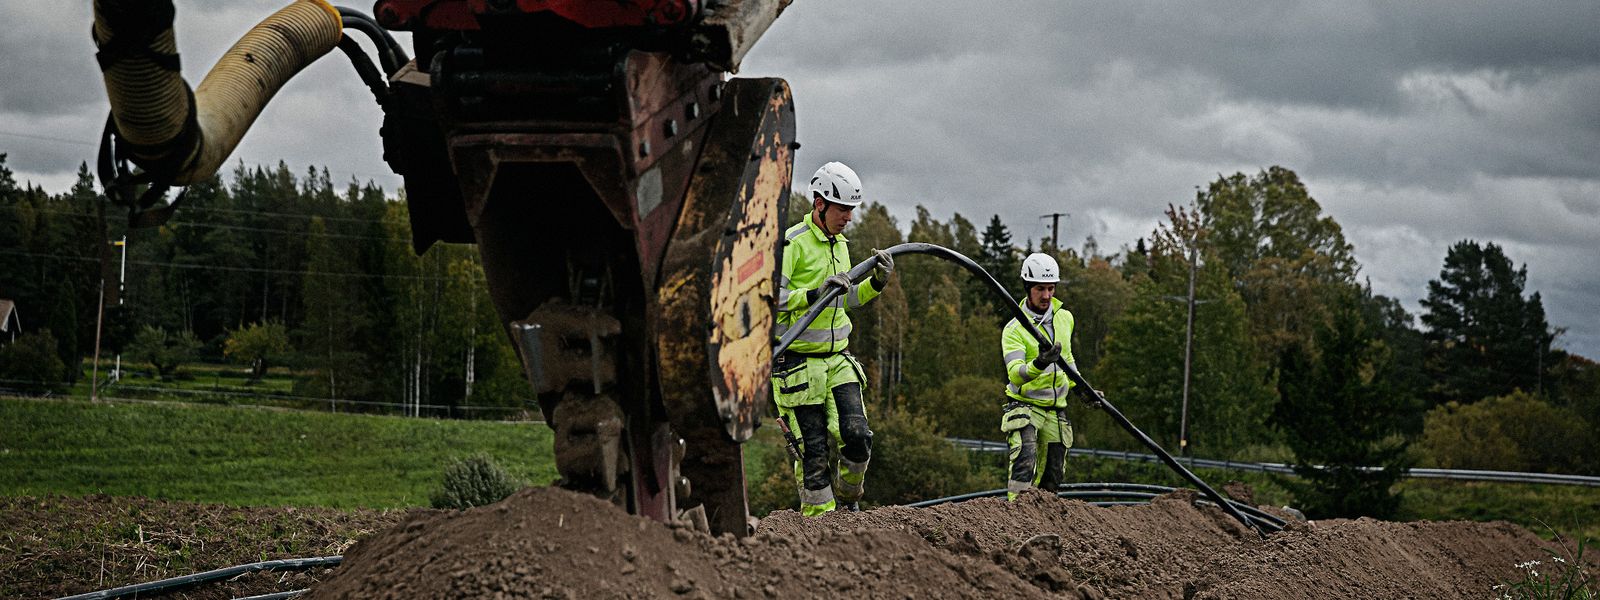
x,y
188,136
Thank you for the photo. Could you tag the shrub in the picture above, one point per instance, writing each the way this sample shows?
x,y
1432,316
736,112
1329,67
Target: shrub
x,y
474,481
30,364
770,478
165,351
966,407
911,461
1515,432
258,345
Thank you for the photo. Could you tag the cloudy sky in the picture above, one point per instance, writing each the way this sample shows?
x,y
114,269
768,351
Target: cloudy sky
x,y
1415,124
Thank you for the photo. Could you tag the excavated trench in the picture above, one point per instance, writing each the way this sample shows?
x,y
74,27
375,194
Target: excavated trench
x,y
551,543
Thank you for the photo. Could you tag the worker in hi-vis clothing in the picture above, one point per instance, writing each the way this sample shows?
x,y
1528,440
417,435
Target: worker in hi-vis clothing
x,y
1036,429
816,383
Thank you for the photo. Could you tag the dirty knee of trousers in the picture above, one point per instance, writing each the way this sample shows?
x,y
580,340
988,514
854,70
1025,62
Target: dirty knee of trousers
x,y
857,438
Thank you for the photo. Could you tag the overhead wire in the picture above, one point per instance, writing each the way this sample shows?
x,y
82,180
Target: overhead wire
x,y
212,210
236,269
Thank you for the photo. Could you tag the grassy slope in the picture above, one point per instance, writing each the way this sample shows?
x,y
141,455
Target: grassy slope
x,y
245,456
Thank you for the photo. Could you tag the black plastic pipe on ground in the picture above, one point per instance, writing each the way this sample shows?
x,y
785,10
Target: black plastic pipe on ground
x,y
1125,494
860,271
165,585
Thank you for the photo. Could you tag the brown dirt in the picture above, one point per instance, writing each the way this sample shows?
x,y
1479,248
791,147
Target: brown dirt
x,y
549,543
58,546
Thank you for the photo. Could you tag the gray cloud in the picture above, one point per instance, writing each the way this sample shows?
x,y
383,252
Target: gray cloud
x,y
1415,124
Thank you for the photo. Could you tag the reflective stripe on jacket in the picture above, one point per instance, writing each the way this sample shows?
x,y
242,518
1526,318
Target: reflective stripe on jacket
x,y
809,257
1047,387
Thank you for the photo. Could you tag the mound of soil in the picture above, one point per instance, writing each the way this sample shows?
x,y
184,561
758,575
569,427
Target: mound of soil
x,y
550,543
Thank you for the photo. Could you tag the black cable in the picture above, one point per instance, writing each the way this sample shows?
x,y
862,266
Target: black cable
x,y
390,53
363,64
276,596
1118,494
133,591
860,271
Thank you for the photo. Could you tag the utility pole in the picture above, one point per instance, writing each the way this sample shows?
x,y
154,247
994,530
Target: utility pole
x,y
1188,356
122,278
1055,228
1188,346
100,313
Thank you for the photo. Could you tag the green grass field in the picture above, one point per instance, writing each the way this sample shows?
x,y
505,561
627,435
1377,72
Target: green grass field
x,y
248,456
196,382
265,457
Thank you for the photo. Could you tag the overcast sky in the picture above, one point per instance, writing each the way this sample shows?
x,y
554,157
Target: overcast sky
x,y
1415,124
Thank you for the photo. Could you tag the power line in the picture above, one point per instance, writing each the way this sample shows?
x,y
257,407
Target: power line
x,y
278,214
226,268
233,227
211,209
267,396
48,138
282,231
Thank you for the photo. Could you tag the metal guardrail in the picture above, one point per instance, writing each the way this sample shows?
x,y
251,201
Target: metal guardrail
x,y
1204,463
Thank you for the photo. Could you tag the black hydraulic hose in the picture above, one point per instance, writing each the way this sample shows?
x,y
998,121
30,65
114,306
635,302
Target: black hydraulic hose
x,y
369,73
390,54
859,272
132,591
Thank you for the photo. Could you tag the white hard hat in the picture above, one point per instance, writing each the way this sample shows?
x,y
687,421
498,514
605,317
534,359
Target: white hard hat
x,y
1040,268
838,184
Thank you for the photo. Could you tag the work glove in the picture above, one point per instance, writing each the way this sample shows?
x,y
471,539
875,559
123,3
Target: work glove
x,y
885,266
1095,400
1047,357
838,279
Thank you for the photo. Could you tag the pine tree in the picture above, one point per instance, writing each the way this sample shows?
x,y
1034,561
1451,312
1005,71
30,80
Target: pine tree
x,y
999,257
1339,411
327,337
1484,337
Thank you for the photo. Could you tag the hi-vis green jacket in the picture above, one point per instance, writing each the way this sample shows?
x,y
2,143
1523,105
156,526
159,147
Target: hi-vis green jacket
x,y
809,257
1046,387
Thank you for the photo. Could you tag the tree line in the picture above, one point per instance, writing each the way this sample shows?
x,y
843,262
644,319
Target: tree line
x,y
268,269
1295,358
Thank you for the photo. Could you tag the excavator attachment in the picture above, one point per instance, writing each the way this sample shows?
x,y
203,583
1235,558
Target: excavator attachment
x,y
624,197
